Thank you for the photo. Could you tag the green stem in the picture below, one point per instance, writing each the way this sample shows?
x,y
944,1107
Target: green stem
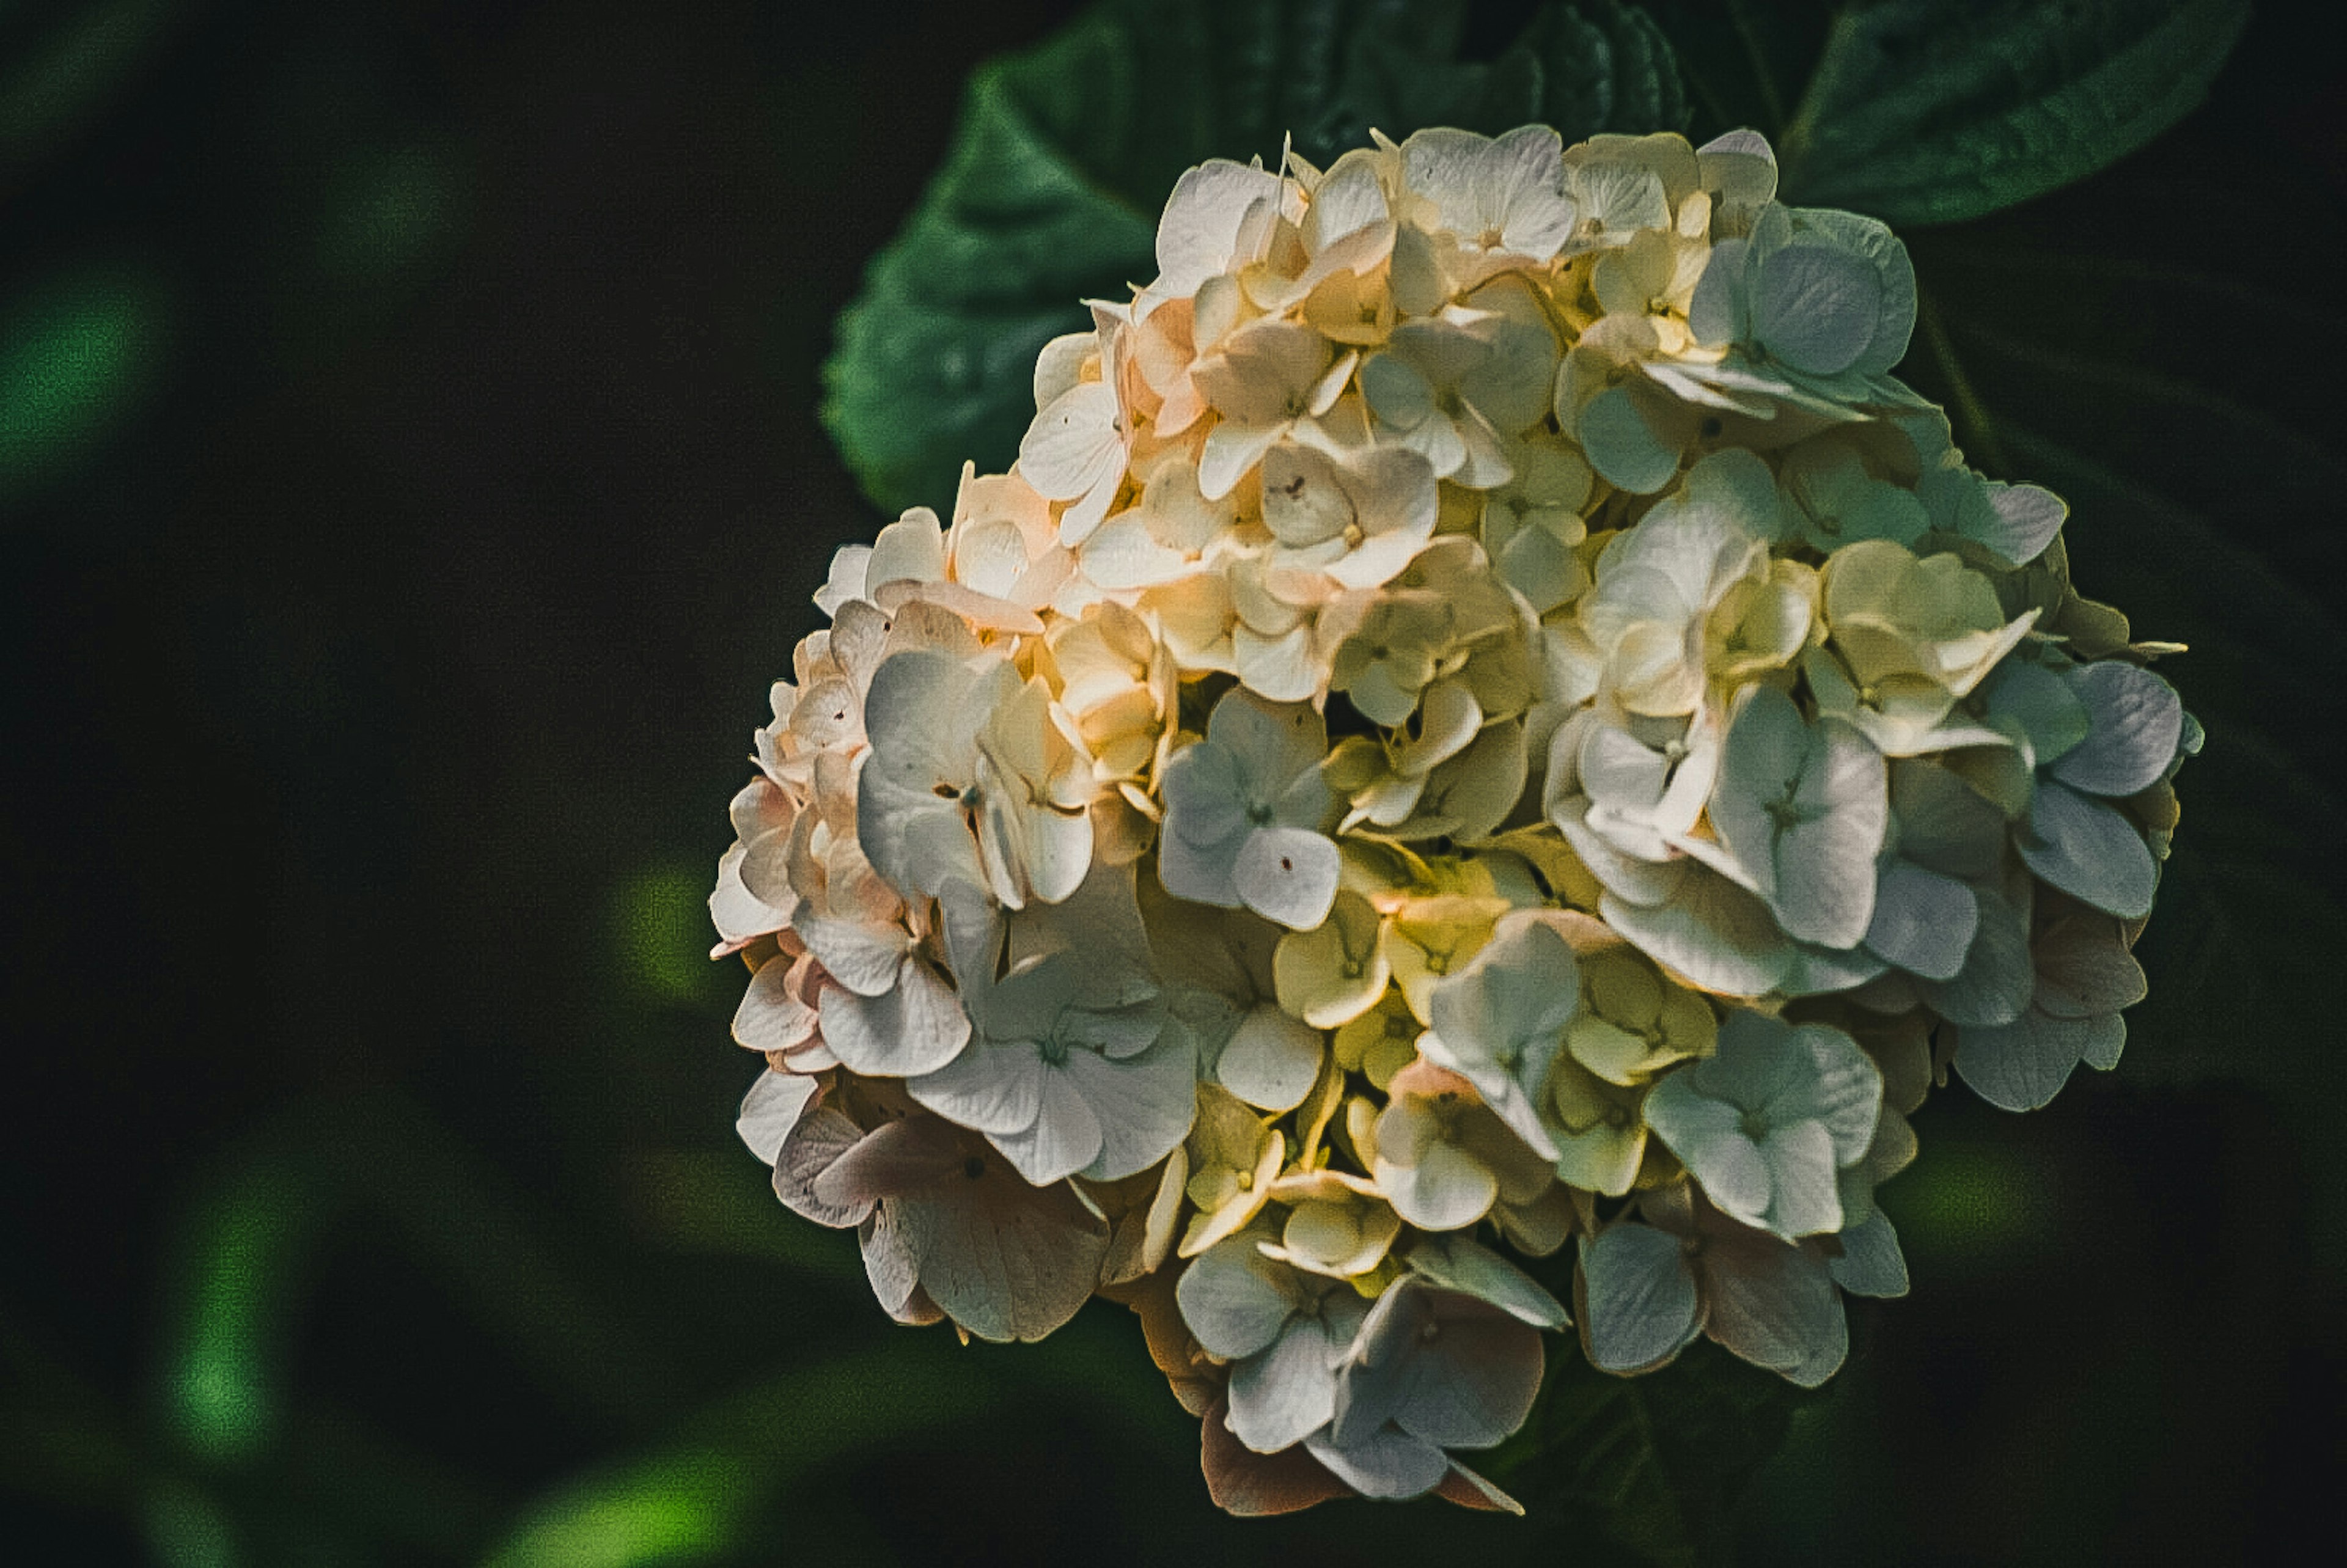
x,y
1975,429
1739,15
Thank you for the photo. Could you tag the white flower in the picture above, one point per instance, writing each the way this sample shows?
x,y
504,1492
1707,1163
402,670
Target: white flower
x,y
1456,388
1433,1370
1337,1224
1764,1124
1800,808
1267,377
1243,812
1356,517
1831,500
1651,615
1503,199
886,1009
973,776
1285,1330
1074,1067
946,1226
1443,1158
1648,1292
1816,302
1216,215
1500,1022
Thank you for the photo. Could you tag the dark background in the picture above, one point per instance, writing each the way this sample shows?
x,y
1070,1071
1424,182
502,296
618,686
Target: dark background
x,y
409,482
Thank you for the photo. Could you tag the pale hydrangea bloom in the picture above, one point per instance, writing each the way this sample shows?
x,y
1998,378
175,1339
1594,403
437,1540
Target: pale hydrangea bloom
x,y
1483,723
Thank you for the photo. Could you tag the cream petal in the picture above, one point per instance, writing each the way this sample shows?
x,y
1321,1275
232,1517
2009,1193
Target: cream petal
x,y
1272,1060
1287,875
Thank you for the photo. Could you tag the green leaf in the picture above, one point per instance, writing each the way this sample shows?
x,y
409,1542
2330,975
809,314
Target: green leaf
x,y
1063,155
1655,1463
1934,111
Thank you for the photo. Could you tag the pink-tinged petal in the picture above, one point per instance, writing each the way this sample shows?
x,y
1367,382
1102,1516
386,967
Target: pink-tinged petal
x,y
863,957
1250,1485
893,1159
770,1018
1003,1259
820,1137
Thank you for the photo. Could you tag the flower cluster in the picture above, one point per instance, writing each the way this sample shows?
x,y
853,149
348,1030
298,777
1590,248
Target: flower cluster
x,y
1484,741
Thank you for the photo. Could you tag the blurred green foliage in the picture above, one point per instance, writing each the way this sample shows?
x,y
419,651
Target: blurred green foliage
x,y
407,506
77,351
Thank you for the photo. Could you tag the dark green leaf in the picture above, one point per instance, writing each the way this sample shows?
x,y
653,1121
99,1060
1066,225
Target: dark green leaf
x,y
1655,1463
1934,111
1064,155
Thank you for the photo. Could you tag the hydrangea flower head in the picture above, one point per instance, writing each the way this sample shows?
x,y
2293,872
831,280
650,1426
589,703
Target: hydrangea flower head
x,y
1486,755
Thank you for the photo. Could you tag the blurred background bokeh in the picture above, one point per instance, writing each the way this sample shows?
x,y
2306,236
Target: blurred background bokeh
x,y
409,482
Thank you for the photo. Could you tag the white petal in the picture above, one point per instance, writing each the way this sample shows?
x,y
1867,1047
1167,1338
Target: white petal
x,y
1201,221
1287,874
771,1109
1235,1300
1231,450
1004,1260
863,957
1478,1377
2136,721
1283,1395
916,1027
1446,1189
993,1087
1803,1197
2021,1066
1923,922
1271,1060
2089,850
1073,445
1623,446
1457,1263
1064,1138
1712,932
1638,1302
818,1139
1870,1263
1388,1464
1825,864
770,1018
1816,307
1145,1104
